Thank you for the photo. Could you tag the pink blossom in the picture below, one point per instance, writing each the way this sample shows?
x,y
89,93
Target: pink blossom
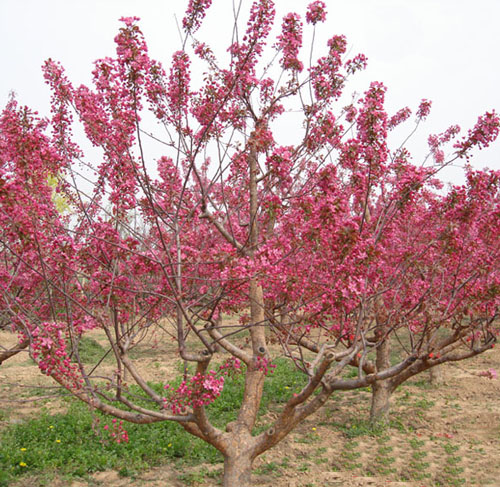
x,y
290,41
316,12
424,109
195,13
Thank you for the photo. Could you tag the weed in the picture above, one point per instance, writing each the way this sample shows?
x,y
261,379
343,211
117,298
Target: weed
x,y
383,460
361,427
422,384
350,445
320,460
453,460
415,443
383,439
192,478
418,455
271,468
424,403
383,450
308,438
449,448
351,455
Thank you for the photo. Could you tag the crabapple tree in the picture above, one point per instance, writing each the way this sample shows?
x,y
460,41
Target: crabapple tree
x,y
238,246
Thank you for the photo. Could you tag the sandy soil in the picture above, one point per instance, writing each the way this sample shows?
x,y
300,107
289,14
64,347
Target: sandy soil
x,y
447,435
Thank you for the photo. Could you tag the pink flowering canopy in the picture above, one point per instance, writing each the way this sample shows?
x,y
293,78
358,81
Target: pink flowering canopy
x,y
324,251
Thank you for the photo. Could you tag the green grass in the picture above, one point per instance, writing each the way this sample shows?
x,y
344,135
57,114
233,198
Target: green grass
x,y
91,351
75,443
364,427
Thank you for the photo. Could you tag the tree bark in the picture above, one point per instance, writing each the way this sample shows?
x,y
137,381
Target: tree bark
x,y
436,376
381,401
381,390
237,470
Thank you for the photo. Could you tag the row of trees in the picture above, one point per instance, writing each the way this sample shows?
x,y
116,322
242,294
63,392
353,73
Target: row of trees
x,y
339,251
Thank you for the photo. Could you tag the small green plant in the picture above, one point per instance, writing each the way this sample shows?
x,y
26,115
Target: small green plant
x,y
424,403
416,443
450,448
360,427
419,455
308,438
271,468
192,478
320,460
350,445
351,455
383,439
383,450
453,460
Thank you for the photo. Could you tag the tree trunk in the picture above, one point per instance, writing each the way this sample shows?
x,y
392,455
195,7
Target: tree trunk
x,y
436,376
237,471
381,398
381,390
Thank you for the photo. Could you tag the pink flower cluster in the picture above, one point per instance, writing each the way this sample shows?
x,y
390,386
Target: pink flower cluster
x,y
280,164
116,431
401,116
482,135
49,351
326,79
231,368
178,85
357,63
290,41
316,12
424,109
200,390
195,14
436,141
265,365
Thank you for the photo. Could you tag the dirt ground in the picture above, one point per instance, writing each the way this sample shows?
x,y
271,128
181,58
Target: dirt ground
x,y
446,435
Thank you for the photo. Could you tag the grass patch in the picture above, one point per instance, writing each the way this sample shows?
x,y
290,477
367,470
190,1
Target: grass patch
x,y
91,351
76,443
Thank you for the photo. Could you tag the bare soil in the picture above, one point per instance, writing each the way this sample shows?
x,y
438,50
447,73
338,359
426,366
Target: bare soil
x,y
446,435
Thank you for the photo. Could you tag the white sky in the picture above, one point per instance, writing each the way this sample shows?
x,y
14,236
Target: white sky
x,y
442,50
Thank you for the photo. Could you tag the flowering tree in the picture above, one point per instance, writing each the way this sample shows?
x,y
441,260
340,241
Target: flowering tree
x,y
334,248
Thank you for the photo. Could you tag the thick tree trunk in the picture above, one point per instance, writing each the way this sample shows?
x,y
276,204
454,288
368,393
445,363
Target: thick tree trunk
x,y
237,471
381,390
381,400
436,376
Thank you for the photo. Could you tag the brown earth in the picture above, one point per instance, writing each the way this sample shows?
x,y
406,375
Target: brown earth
x,y
446,435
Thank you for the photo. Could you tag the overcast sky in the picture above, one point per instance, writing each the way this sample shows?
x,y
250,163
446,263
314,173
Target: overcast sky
x,y
442,50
